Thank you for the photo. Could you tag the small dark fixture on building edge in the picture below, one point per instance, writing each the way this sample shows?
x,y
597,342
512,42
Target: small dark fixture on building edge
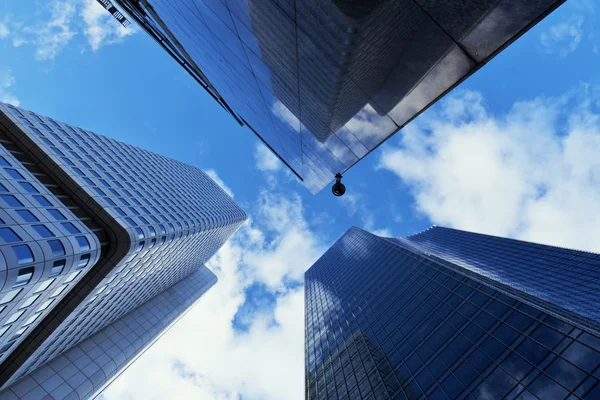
x,y
338,187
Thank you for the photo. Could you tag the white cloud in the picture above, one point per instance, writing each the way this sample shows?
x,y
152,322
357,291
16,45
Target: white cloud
x,y
285,115
213,175
52,35
266,161
7,80
564,37
203,356
354,203
59,22
532,173
101,28
4,31
369,127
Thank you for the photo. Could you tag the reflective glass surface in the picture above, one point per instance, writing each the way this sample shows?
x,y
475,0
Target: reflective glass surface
x,y
385,320
324,82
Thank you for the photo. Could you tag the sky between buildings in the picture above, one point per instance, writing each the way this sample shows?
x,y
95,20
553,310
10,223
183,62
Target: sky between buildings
x,y
514,151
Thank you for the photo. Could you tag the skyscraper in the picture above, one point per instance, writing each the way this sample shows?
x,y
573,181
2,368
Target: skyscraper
x,y
102,248
448,314
324,82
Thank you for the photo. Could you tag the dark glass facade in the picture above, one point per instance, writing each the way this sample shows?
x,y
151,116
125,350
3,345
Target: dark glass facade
x,y
102,247
324,82
446,314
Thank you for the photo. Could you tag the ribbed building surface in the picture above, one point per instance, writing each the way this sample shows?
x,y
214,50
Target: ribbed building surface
x,y
324,82
447,314
93,231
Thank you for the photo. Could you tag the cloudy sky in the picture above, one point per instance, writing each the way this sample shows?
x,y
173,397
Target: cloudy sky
x,y
513,151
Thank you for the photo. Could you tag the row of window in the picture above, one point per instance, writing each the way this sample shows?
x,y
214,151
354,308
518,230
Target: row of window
x,y
25,255
9,236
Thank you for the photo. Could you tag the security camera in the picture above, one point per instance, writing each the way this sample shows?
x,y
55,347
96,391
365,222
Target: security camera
x,y
338,187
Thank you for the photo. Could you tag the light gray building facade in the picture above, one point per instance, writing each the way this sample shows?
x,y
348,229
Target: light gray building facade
x,y
102,248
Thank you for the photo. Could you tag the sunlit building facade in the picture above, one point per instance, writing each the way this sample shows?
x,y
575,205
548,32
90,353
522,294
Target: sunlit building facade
x,y
324,82
102,248
448,314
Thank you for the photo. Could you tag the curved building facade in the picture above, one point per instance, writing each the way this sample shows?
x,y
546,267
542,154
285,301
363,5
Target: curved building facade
x,y
131,225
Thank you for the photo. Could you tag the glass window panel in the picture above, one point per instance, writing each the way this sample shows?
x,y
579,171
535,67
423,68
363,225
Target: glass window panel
x,y
24,276
14,317
27,216
23,253
57,248
10,296
57,215
11,200
9,236
30,301
43,231
13,173
57,267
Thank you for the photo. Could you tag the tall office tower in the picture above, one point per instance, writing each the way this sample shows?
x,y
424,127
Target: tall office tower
x,y
102,248
448,314
324,82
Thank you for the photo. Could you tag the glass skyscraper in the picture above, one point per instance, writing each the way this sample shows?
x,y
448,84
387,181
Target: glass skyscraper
x,y
448,314
102,248
324,82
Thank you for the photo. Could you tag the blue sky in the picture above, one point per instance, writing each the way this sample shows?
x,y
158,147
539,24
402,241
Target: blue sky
x,y
513,151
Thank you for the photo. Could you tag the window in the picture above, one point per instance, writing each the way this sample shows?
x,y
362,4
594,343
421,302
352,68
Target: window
x,y
130,221
42,231
31,319
27,216
152,243
14,173
30,301
78,171
6,347
57,248
3,330
140,233
152,231
57,215
2,188
10,296
42,201
140,246
69,227
3,162
24,276
44,285
58,291
18,333
9,236
11,200
14,317
45,305
83,243
72,277
84,261
57,267
28,187
23,253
